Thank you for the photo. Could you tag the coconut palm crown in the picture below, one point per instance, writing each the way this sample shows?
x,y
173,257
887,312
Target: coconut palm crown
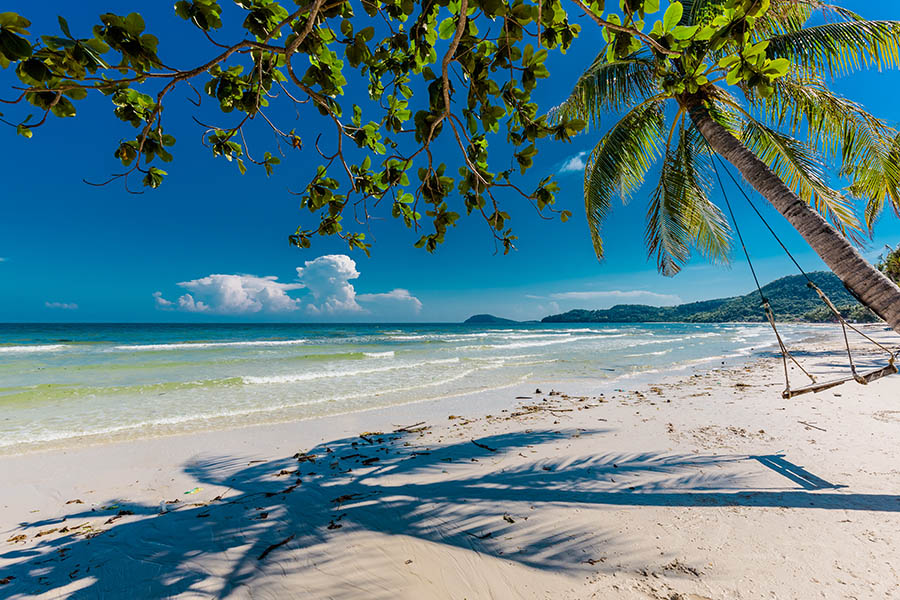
x,y
757,70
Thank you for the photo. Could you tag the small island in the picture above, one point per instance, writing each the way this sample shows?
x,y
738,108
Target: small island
x,y
487,319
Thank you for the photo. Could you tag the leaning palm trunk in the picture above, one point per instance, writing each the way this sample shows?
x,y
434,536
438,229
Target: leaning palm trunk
x,y
866,282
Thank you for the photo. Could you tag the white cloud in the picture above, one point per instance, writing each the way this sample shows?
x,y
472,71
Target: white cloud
x,y
237,294
233,295
574,164
619,296
62,305
2,259
161,302
326,279
188,304
395,299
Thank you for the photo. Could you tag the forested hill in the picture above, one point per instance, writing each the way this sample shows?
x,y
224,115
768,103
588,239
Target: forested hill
x,y
790,299
488,319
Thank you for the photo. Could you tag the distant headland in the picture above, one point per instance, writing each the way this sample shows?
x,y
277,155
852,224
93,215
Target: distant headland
x,y
790,298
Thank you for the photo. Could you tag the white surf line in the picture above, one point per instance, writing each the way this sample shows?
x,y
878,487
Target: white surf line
x,y
292,378
27,349
194,345
55,437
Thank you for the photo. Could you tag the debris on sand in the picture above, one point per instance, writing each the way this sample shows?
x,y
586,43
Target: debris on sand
x,y
679,567
304,457
265,552
118,516
345,498
483,446
414,428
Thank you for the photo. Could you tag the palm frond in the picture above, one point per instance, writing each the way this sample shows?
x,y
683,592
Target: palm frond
x,y
840,48
787,16
880,184
799,167
700,12
838,128
620,160
680,215
609,86
784,16
708,226
832,124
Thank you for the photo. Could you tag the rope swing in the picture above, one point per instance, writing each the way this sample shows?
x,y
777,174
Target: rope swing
x,y
815,385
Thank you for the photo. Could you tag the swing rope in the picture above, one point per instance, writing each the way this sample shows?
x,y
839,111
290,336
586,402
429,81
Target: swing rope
x,y
785,353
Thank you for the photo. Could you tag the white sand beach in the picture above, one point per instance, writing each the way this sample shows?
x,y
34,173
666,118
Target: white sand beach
x,y
706,485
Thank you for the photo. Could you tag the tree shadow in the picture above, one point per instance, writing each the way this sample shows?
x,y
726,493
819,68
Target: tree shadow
x,y
323,516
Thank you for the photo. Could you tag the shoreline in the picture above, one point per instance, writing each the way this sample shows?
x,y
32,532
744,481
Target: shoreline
x,y
703,484
628,380
157,430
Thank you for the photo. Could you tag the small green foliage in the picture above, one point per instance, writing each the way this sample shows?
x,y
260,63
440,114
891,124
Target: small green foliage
x,y
13,47
133,106
125,36
205,14
154,177
889,264
475,65
752,67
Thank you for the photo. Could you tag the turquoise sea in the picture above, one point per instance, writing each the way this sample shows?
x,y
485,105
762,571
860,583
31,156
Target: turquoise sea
x,y
70,384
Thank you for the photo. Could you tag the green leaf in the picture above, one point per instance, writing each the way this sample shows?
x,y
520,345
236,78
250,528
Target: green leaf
x,y
681,32
63,108
64,26
672,16
778,67
134,23
447,28
756,49
14,22
12,46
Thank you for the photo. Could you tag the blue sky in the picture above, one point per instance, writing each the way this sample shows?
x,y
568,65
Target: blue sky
x,y
71,252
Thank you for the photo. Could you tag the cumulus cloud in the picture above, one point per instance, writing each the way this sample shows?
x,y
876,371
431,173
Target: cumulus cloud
x,y
62,305
574,164
395,299
162,302
619,296
326,280
233,295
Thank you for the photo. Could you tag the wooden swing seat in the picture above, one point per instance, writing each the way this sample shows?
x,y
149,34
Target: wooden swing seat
x,y
864,378
814,387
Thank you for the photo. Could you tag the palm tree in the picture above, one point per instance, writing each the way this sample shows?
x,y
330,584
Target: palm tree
x,y
753,90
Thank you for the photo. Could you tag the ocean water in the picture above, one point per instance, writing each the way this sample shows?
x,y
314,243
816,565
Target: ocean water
x,y
70,384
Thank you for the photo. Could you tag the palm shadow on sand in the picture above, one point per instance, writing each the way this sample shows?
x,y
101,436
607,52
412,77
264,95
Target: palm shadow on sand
x,y
284,517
